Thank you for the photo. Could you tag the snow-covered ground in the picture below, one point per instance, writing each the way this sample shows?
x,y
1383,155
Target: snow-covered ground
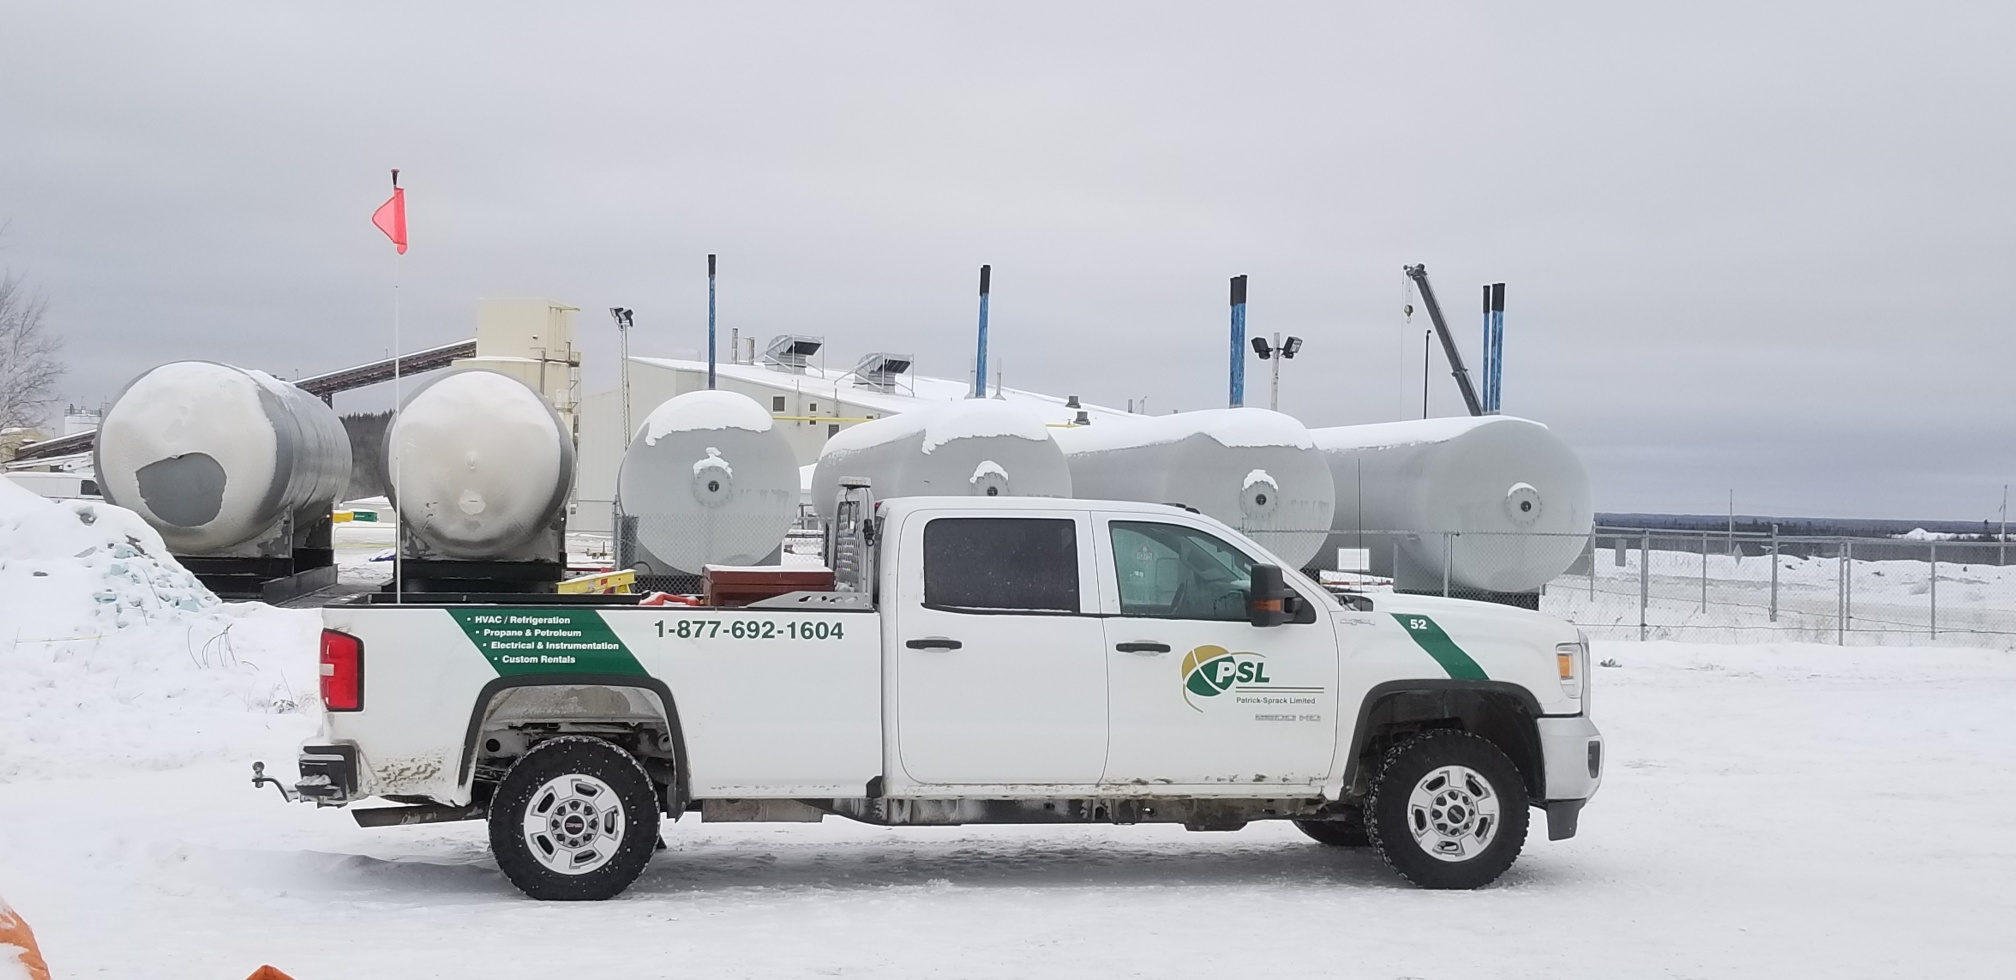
x,y
1770,810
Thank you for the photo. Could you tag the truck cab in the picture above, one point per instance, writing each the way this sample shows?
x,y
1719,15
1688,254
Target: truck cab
x,y
980,660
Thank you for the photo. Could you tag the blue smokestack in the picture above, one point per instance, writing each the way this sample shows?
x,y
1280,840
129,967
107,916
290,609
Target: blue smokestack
x,y
1238,341
980,359
710,320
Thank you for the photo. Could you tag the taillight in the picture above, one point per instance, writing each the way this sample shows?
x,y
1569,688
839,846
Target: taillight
x,y
342,672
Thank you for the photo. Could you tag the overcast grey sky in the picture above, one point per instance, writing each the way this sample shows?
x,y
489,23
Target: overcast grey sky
x,y
1755,246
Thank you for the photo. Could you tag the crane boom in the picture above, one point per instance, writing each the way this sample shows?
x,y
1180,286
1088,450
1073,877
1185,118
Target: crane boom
x,y
1462,374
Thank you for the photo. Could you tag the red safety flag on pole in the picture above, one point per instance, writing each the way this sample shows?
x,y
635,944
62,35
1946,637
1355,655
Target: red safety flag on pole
x,y
391,216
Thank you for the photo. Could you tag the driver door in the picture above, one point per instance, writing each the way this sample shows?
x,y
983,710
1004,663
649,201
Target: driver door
x,y
1197,694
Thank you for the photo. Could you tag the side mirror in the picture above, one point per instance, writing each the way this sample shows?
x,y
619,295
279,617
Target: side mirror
x,y
1269,600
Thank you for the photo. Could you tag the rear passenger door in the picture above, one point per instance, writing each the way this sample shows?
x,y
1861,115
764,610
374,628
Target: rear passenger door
x,y
1000,670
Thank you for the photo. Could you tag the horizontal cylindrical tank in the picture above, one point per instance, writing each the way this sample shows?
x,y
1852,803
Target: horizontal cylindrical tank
x,y
975,447
479,464
215,456
1516,493
709,479
1254,469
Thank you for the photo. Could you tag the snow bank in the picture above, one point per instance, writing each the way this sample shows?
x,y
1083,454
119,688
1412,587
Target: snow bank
x,y
113,656
77,568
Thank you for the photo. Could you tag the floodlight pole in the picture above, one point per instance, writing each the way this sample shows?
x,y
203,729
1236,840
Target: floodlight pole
x,y
622,317
1274,394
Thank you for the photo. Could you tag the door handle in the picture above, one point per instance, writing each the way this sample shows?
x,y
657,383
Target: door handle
x,y
1141,647
932,643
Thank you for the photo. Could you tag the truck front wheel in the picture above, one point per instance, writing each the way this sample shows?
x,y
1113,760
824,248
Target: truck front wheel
x,y
575,819
1447,810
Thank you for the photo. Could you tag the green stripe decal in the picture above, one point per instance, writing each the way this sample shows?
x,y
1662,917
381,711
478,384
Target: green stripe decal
x,y
1441,647
546,641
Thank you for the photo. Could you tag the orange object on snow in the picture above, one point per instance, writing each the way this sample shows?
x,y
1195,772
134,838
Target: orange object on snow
x,y
268,973
14,932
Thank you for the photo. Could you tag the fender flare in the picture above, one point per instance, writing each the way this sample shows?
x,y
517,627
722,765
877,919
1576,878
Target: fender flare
x,y
681,794
1437,686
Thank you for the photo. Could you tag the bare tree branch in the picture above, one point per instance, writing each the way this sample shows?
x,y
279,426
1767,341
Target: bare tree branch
x,y
31,361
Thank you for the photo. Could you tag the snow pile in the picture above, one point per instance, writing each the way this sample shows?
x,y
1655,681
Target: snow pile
x,y
113,656
78,569
713,462
1407,432
698,410
940,424
1233,428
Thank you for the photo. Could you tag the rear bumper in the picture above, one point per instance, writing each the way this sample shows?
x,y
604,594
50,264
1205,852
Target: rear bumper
x,y
328,774
1571,752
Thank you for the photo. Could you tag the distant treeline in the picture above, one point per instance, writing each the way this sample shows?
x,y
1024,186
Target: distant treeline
x,y
367,454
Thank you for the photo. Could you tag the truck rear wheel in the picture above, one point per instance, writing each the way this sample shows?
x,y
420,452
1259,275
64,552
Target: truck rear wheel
x,y
1447,810
575,819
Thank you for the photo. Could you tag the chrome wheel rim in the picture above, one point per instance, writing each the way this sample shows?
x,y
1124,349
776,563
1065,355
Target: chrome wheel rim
x,y
573,824
1453,813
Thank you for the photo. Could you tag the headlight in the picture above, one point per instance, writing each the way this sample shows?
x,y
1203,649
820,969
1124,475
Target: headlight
x,y
1572,659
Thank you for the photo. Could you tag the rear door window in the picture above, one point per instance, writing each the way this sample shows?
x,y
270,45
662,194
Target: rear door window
x,y
1001,564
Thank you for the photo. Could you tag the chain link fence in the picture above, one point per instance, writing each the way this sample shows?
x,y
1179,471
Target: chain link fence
x,y
667,551
1712,587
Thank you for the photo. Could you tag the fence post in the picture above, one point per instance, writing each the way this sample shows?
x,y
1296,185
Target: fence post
x,y
1935,589
1774,573
1644,579
1704,571
1592,566
1841,594
1448,554
1847,585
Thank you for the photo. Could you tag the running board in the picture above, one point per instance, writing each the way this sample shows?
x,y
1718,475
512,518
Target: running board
x,y
400,816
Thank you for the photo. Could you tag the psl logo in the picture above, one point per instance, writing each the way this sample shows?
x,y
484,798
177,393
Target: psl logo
x,y
1209,671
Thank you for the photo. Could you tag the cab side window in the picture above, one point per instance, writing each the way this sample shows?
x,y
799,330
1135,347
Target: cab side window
x,y
1001,564
1176,572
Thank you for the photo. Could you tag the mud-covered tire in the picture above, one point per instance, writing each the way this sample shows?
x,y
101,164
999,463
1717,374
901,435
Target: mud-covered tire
x,y
574,820
1447,810
1346,832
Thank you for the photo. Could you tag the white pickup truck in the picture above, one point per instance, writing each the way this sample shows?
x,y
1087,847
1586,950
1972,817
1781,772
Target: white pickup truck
x,y
981,660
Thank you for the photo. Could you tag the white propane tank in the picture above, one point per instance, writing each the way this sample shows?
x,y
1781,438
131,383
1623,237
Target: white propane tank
x,y
216,457
1515,491
480,466
1254,469
710,480
976,447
